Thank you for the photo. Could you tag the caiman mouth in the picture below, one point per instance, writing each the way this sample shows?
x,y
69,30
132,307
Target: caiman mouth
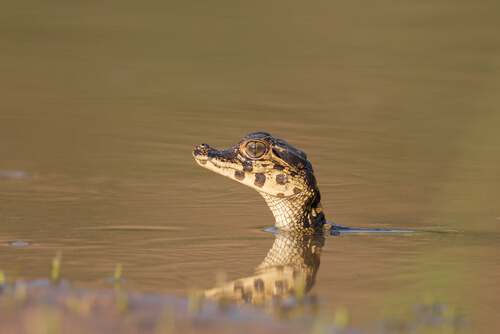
x,y
202,160
224,162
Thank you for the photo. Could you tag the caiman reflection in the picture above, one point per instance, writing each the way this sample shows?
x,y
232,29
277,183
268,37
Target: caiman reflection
x,y
289,268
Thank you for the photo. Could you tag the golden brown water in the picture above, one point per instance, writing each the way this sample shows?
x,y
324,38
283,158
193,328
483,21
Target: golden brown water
x,y
396,105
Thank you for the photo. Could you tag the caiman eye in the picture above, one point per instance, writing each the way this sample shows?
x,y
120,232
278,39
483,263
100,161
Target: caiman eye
x,y
255,149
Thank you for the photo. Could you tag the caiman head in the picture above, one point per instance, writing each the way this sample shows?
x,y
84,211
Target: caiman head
x,y
280,172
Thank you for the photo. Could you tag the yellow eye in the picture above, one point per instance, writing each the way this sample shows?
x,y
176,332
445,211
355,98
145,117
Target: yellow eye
x,y
255,149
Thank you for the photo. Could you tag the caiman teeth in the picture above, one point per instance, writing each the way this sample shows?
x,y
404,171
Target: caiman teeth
x,y
202,160
216,163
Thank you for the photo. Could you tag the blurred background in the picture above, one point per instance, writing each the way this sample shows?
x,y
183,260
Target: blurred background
x,y
396,103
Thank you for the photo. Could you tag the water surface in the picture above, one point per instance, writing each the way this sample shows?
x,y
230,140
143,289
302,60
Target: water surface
x,y
395,104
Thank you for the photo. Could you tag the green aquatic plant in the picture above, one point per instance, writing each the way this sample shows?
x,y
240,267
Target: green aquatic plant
x,y
117,276
55,269
122,302
341,317
194,302
300,288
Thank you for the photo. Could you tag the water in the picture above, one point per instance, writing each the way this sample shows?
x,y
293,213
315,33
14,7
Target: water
x,y
395,104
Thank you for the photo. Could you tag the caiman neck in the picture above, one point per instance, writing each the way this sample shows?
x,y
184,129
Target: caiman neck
x,y
300,212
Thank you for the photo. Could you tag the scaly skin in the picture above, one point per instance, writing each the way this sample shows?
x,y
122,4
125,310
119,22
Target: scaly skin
x,y
280,172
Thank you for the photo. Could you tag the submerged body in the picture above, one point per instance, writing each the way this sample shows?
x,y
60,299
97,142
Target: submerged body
x,y
280,172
